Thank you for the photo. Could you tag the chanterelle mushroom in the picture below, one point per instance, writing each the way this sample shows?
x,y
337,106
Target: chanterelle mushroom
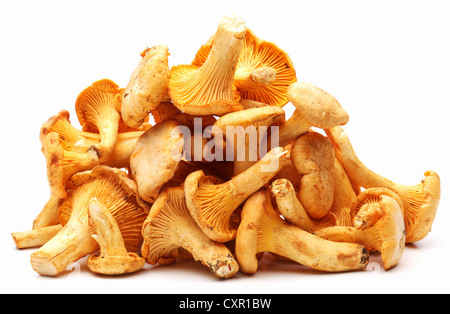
x,y
383,229
420,202
170,228
96,111
314,107
293,211
114,259
263,230
112,188
248,128
263,72
209,89
213,202
155,158
63,162
147,88
313,157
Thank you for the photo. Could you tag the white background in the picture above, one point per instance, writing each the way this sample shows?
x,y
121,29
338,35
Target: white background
x,y
387,62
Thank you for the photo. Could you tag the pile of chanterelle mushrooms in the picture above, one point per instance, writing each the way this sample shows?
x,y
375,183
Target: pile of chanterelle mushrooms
x,y
125,192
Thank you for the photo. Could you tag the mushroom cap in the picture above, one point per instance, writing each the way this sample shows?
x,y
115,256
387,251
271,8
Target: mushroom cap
x,y
259,54
390,226
94,101
319,108
148,86
116,191
209,89
158,246
155,158
431,195
313,156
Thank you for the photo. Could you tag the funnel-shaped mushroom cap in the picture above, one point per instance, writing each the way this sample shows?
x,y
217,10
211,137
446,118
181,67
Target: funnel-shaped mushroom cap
x,y
420,202
96,111
313,157
317,107
60,123
213,202
155,158
263,230
148,86
209,89
379,225
169,230
114,190
264,71
62,163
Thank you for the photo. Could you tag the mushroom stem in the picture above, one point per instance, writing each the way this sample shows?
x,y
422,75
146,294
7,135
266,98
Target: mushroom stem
x,y
190,94
35,237
107,232
212,204
420,202
291,208
295,126
254,78
48,216
71,243
263,230
114,259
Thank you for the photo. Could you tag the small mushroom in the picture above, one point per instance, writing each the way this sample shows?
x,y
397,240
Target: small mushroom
x,y
248,128
114,259
213,202
383,229
263,230
96,111
155,158
314,107
209,89
170,228
420,202
263,72
313,157
147,88
62,163
112,188
293,211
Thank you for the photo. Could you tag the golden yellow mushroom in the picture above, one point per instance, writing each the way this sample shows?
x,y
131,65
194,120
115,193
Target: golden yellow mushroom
x,y
147,88
170,230
114,258
263,72
212,202
263,230
314,107
96,110
313,157
114,190
383,229
209,89
420,202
